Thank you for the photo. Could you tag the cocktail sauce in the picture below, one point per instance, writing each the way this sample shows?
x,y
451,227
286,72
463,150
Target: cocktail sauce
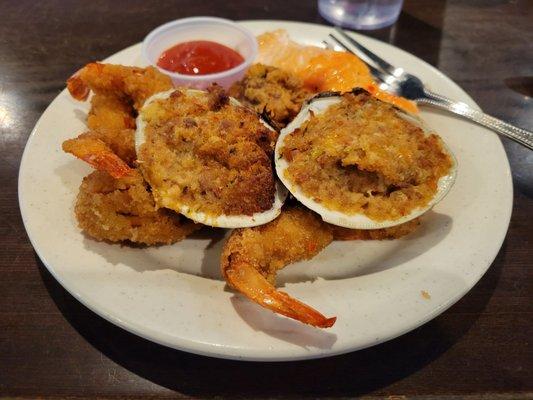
x,y
199,57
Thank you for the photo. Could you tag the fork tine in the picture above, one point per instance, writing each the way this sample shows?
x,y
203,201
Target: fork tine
x,y
384,65
379,75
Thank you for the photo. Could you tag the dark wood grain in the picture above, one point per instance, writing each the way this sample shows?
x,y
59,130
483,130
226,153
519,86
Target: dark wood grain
x,y
52,346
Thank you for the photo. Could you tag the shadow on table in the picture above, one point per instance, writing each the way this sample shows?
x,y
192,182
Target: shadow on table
x,y
345,375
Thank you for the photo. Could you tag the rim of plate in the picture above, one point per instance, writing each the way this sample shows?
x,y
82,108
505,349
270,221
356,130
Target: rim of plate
x,y
267,354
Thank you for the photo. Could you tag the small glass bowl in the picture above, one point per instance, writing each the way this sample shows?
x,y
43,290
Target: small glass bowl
x,y
218,30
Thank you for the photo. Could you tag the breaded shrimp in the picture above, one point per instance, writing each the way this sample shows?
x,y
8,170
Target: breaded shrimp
x,y
109,112
120,141
252,256
115,203
123,209
89,148
131,83
112,121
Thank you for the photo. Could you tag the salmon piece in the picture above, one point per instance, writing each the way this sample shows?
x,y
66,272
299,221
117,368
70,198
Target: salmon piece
x,y
322,70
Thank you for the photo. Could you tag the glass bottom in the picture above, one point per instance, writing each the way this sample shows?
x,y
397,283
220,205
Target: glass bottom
x,y
360,14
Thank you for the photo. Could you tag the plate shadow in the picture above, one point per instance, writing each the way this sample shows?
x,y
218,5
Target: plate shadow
x,y
190,375
433,229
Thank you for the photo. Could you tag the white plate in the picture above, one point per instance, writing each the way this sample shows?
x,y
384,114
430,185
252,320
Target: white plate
x,y
174,295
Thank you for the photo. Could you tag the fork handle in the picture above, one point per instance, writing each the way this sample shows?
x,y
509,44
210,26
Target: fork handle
x,y
519,135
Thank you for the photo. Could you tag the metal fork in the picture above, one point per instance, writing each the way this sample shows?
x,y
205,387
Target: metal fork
x,y
399,82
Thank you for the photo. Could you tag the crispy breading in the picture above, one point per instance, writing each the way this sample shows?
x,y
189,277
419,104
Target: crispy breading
x,y
115,203
111,119
120,141
252,256
110,112
133,84
297,234
207,154
271,90
123,210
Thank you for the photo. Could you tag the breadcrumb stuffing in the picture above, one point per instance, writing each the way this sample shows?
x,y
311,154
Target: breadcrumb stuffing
x,y
271,91
205,153
360,156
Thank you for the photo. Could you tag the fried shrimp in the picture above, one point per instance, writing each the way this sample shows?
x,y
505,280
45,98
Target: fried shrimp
x,y
118,92
109,112
271,91
115,203
252,256
120,141
89,148
112,121
123,209
131,83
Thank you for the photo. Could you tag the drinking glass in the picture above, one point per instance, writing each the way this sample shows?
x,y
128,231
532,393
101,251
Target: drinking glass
x,y
360,14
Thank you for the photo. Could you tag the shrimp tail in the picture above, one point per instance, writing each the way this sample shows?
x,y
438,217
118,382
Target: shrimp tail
x,y
77,87
132,84
96,153
247,280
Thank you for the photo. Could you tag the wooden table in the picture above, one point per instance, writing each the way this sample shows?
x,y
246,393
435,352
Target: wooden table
x,y
52,346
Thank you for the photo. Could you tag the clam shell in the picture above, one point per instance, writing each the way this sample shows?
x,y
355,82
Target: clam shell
x,y
318,105
221,221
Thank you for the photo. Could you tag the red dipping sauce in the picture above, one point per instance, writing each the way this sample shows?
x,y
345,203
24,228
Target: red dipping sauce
x,y
199,57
